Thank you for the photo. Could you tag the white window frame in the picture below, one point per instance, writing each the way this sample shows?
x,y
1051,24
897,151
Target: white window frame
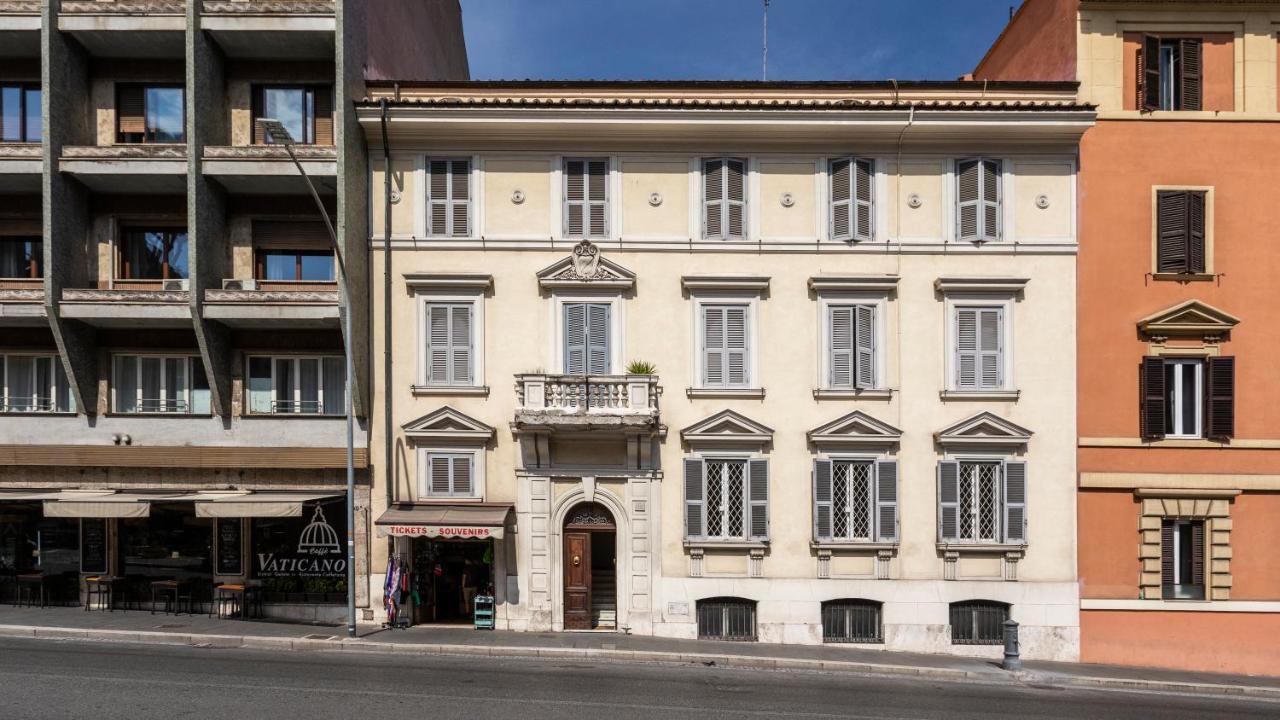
x,y
52,390
955,303
871,496
617,328
745,509
477,457
697,369
426,196
296,390
998,460
476,300
879,304
1175,398
748,207
188,360
609,194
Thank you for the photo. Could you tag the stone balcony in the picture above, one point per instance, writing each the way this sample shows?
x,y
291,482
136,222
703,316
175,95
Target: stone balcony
x,y
130,29
309,305
123,7
127,307
20,165
271,29
592,402
20,7
268,7
143,168
22,303
267,169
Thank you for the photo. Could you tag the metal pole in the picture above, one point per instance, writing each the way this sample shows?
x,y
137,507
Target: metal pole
x,y
345,287
764,63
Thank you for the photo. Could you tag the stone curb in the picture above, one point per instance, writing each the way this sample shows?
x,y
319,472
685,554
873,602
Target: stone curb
x,y
751,662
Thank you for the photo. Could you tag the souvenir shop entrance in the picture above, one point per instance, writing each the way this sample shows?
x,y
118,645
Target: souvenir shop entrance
x,y
447,576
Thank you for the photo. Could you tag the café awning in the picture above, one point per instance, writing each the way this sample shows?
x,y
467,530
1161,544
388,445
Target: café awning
x,y
257,504
137,503
475,521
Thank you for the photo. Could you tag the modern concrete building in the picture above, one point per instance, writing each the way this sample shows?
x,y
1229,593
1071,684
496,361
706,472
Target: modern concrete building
x,y
1179,447
785,362
170,342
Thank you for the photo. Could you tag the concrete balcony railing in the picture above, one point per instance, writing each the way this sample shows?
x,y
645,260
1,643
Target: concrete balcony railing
x,y
19,7
154,151
587,400
123,7
270,152
19,151
129,295
268,7
265,304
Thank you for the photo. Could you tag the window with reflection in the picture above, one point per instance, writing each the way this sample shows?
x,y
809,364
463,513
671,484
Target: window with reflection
x,y
300,265
150,114
21,258
171,544
20,113
305,111
152,254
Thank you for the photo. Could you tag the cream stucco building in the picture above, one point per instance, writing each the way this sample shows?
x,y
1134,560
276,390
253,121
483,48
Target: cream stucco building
x,y
856,302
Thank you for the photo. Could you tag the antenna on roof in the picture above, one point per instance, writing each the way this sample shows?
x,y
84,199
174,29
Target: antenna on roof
x,y
764,63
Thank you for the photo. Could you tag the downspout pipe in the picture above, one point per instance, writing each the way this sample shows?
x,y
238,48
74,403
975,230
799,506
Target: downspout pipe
x,y
388,445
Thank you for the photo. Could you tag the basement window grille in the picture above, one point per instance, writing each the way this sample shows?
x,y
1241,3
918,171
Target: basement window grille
x,y
852,621
978,622
727,618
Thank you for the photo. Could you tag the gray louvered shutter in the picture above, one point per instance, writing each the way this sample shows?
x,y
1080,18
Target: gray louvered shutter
x,y
1189,57
693,497
887,500
462,474
758,495
735,323
437,344
840,172
735,198
575,338
864,205
967,349
1015,502
864,342
948,500
575,198
991,183
968,200
1153,403
448,198
1149,74
842,347
597,198
460,344
597,337
1172,207
822,494
713,199
438,469
460,198
713,355
991,348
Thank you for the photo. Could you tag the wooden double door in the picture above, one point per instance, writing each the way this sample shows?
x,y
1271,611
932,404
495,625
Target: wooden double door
x,y
581,568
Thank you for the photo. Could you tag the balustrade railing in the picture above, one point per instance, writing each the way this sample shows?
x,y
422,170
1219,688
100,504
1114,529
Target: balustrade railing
x,y
597,394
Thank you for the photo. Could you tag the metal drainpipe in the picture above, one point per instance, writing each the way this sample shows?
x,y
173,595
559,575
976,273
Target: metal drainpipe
x,y
388,455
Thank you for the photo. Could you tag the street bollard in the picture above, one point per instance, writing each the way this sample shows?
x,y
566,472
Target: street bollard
x,y
1011,659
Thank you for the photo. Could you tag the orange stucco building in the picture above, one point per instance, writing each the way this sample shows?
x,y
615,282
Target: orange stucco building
x,y
1178,399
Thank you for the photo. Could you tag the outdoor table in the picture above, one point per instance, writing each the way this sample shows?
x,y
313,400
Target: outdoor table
x,y
171,587
101,587
244,596
29,585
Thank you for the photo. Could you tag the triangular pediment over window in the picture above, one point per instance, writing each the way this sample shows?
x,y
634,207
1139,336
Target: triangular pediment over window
x,y
727,426
585,267
448,425
856,428
1190,318
983,429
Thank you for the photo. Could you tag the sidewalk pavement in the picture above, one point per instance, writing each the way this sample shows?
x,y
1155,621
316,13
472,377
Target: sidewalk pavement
x,y
199,630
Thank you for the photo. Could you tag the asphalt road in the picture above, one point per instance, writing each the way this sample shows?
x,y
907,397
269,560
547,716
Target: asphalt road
x,y
61,679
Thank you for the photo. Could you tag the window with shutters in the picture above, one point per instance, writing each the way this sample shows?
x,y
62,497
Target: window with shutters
x,y
159,384
726,353
979,200
855,500
724,198
982,501
586,329
1170,73
150,114
306,111
586,197
1181,231
1182,553
450,344
312,385
450,475
852,621
978,622
448,197
852,216
34,384
852,354
1187,397
727,499
978,357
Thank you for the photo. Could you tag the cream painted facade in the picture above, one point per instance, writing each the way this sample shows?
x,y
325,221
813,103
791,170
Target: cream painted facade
x,y
516,269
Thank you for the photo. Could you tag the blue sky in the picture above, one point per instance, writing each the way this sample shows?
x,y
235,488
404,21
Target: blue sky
x,y
720,39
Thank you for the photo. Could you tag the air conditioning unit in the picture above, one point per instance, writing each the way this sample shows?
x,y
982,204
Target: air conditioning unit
x,y
238,284
175,284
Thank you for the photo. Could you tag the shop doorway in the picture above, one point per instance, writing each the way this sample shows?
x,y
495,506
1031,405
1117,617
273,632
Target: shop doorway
x,y
590,569
447,576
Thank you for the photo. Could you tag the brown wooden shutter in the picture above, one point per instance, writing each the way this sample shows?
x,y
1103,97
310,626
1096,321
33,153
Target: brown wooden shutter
x,y
131,109
1166,558
1189,56
290,235
1172,230
1220,399
1195,232
324,115
1151,382
1197,554
1149,73
259,134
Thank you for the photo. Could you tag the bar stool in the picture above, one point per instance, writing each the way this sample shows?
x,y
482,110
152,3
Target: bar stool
x,y
30,586
101,588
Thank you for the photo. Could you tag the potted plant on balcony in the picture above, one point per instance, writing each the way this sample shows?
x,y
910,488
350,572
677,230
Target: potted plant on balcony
x,y
641,367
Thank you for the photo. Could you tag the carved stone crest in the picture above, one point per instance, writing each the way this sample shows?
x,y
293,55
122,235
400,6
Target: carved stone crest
x,y
586,262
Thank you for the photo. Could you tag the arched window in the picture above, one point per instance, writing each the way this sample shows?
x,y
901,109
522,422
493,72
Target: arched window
x,y
978,622
727,618
852,621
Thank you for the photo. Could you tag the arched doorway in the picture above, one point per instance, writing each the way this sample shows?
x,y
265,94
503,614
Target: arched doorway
x,y
590,568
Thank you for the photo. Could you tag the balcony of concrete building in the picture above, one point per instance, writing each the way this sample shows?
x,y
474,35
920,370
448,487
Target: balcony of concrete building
x,y
19,28
21,262
21,128
275,29
127,28
619,403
